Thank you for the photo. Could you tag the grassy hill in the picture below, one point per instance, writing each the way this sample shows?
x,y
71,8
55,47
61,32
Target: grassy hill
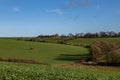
x,y
74,41
45,52
88,41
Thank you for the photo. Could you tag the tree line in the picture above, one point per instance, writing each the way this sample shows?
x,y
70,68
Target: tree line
x,y
86,35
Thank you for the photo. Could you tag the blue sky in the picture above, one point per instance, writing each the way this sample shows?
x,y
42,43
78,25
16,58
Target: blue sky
x,y
35,17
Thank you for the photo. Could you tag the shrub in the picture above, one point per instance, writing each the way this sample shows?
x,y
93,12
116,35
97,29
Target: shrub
x,y
105,52
114,57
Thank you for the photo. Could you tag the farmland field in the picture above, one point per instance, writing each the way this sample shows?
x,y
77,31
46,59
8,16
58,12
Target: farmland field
x,y
14,71
88,41
59,56
45,52
77,41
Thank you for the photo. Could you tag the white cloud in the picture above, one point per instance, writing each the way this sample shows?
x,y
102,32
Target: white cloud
x,y
16,9
55,11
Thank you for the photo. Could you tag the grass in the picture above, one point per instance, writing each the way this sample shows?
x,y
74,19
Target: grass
x,y
14,71
45,52
88,41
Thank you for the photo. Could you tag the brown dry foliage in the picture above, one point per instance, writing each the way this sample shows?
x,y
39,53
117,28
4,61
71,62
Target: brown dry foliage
x,y
106,52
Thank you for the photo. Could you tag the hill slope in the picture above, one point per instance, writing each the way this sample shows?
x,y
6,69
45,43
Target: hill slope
x,y
88,41
50,53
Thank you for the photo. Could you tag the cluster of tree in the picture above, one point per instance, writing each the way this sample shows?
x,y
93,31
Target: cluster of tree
x,y
105,53
85,35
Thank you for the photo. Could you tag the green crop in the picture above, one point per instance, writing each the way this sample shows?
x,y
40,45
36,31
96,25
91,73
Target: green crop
x,y
14,71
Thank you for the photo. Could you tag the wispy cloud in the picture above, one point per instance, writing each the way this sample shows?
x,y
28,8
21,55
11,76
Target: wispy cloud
x,y
85,3
72,4
16,9
77,4
55,11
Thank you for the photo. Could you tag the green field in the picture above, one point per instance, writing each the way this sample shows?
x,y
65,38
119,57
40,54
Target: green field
x,y
48,52
14,71
88,41
77,41
45,52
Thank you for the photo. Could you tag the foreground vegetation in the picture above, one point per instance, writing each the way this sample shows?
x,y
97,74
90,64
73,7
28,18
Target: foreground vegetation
x,y
14,71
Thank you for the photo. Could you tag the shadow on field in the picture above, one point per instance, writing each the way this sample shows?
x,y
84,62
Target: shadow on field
x,y
73,57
